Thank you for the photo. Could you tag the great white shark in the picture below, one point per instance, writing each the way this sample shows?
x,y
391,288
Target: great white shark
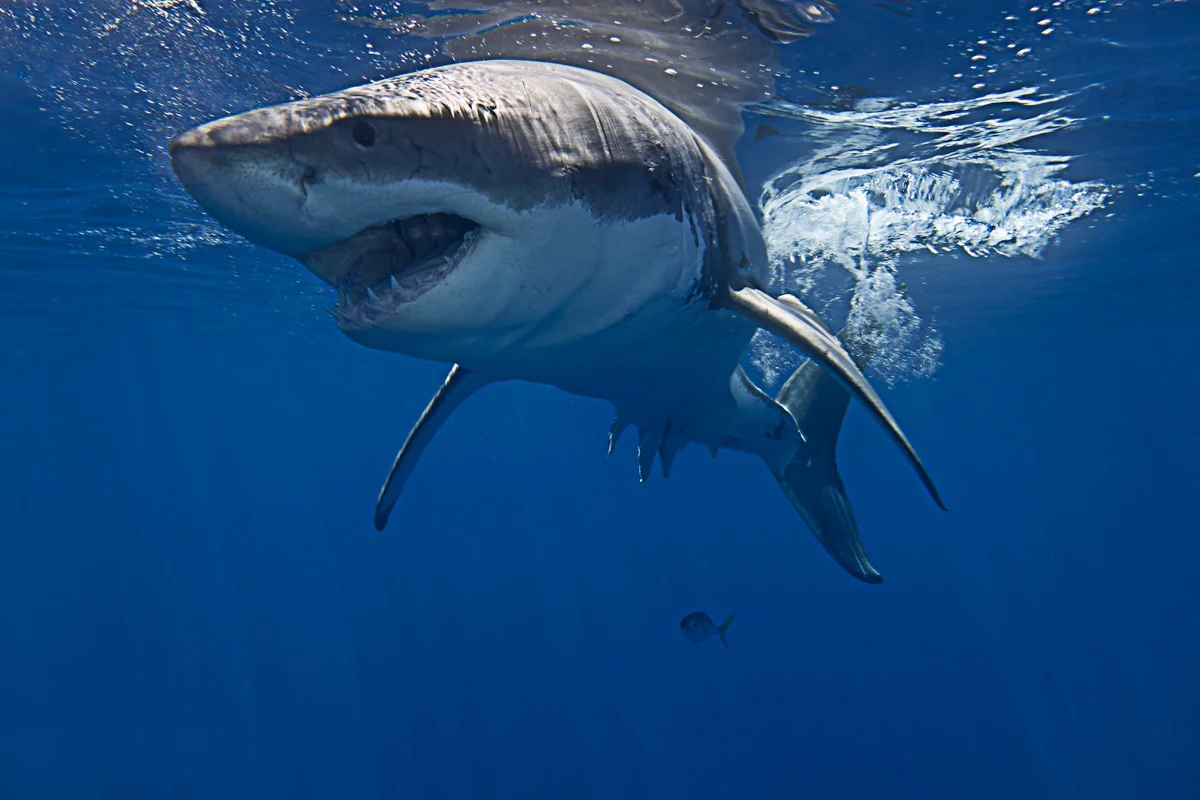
x,y
534,221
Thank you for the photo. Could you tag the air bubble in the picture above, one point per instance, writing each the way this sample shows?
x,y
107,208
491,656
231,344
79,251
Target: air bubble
x,y
828,215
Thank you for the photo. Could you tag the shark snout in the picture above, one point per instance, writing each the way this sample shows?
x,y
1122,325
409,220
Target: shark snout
x,y
258,190
194,139
191,160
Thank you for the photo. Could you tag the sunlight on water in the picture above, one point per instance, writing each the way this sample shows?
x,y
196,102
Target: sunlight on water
x,y
148,68
885,181
890,179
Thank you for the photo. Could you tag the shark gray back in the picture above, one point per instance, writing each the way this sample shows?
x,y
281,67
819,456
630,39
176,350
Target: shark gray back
x,y
706,60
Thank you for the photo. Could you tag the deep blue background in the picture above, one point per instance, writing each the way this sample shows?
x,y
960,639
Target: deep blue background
x,y
193,602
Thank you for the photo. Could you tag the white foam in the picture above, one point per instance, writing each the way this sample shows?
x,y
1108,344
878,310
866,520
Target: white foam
x,y
887,181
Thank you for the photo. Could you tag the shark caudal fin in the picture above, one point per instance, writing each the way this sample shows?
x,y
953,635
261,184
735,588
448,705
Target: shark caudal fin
x,y
725,627
795,323
811,480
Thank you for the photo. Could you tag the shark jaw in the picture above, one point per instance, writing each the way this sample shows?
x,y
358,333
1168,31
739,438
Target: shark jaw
x,y
383,267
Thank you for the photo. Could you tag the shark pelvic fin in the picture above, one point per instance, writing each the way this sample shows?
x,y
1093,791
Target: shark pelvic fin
x,y
672,443
796,324
650,439
664,440
458,386
614,433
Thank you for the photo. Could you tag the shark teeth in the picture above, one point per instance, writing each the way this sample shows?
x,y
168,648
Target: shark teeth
x,y
373,299
388,295
384,266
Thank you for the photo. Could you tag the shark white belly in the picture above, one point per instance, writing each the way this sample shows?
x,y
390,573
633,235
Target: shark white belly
x,y
571,320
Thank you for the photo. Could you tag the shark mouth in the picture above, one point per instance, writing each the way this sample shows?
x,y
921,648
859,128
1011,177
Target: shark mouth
x,y
379,269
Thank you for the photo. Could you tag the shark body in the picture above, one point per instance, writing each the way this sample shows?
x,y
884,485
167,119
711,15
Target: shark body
x,y
535,221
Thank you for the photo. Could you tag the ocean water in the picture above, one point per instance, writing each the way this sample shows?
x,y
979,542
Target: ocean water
x,y
193,602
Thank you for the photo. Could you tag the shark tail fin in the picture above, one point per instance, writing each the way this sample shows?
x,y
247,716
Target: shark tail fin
x,y
811,481
795,323
725,627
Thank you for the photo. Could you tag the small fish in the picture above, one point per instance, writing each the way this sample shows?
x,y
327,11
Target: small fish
x,y
699,628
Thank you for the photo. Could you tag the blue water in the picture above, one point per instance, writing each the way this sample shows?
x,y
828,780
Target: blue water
x,y
193,602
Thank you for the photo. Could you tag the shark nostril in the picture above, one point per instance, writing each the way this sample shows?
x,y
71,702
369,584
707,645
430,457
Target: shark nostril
x,y
307,177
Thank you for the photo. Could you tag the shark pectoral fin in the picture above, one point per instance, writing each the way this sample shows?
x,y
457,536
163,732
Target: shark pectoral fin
x,y
787,322
798,308
815,489
458,386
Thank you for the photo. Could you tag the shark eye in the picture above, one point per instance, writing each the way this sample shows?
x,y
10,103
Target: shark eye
x,y
363,133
